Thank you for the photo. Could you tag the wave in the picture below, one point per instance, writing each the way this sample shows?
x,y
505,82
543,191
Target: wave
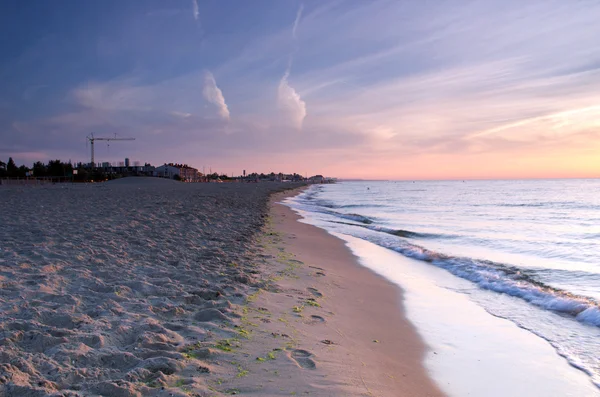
x,y
359,206
505,279
355,217
549,204
325,208
411,234
488,275
524,204
397,232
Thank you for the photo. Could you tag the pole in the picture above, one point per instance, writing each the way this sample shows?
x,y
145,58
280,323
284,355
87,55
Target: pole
x,y
92,146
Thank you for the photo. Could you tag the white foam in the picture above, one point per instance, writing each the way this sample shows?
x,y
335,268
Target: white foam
x,y
471,352
590,315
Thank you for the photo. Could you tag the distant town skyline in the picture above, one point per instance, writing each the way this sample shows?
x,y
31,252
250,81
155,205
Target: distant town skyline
x,y
373,90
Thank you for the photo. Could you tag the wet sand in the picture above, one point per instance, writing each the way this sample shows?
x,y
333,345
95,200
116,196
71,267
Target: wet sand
x,y
333,327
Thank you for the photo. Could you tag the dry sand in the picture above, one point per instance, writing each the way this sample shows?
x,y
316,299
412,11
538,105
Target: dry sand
x,y
122,288
146,287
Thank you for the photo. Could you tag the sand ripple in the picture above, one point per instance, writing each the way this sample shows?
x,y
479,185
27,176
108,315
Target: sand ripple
x,y
103,286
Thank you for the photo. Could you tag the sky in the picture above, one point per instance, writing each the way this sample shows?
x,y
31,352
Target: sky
x,y
381,89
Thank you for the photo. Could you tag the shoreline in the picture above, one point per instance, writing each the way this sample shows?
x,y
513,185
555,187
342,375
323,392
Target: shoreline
x,y
331,326
388,351
470,346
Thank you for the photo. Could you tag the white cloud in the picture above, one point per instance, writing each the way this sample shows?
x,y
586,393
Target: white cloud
x,y
297,20
182,115
195,8
214,95
290,102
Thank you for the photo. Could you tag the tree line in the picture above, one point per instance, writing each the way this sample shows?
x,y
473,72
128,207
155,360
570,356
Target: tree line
x,y
54,168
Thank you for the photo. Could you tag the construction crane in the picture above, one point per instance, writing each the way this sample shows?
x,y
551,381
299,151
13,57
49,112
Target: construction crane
x,y
92,139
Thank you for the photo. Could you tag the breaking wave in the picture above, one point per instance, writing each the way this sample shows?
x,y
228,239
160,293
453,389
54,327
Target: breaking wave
x,y
505,279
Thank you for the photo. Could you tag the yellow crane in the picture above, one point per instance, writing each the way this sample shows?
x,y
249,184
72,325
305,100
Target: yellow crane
x,y
92,139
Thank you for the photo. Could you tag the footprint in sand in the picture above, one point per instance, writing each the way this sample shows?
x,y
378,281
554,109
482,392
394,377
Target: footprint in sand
x,y
316,319
319,274
315,292
302,358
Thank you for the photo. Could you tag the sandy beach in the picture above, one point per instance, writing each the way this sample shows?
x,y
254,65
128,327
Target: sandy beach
x,y
147,287
334,327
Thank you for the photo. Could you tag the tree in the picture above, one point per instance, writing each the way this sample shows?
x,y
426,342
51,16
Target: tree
x,y
39,169
22,171
11,168
56,168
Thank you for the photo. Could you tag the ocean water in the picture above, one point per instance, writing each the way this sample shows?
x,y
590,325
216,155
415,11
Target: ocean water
x,y
527,251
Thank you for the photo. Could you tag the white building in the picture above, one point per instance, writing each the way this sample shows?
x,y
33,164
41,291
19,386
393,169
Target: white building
x,y
183,171
167,171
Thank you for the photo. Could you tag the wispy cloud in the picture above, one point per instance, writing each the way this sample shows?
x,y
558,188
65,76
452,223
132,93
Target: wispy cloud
x,y
505,79
297,20
195,9
214,95
182,115
290,102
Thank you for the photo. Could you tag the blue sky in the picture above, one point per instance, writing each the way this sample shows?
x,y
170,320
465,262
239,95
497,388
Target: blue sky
x,y
394,89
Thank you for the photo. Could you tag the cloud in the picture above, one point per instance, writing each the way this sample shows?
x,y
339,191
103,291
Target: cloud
x,y
290,102
214,95
195,9
182,115
297,20
288,99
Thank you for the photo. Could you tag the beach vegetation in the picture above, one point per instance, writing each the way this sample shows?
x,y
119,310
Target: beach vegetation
x,y
269,356
312,302
290,345
191,355
244,332
242,372
298,309
249,323
227,345
252,297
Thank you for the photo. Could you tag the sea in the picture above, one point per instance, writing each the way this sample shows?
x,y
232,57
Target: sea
x,y
501,278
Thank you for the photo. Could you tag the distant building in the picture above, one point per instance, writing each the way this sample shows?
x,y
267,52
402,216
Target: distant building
x,y
167,171
183,171
317,179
